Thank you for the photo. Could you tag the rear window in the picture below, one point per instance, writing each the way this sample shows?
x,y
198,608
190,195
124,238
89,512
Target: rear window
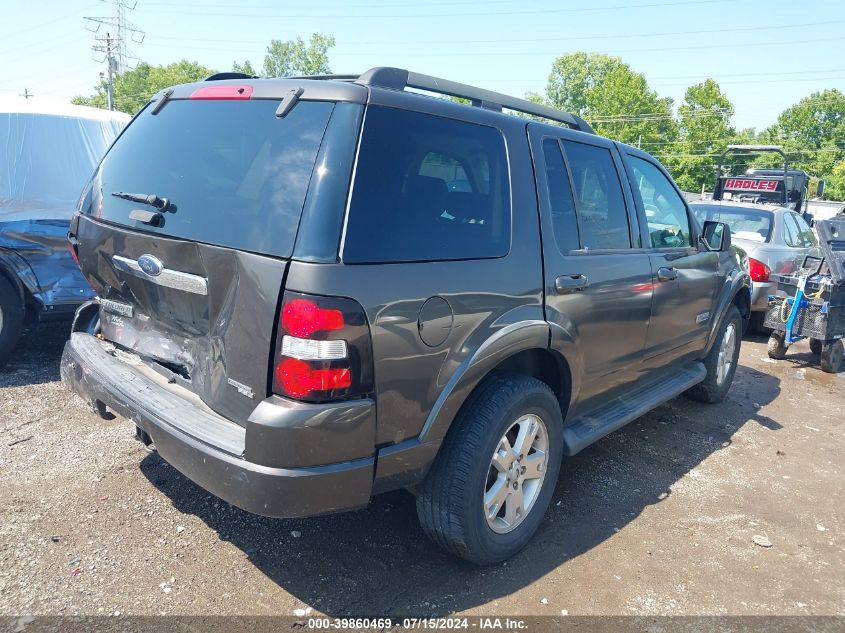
x,y
745,224
427,188
235,172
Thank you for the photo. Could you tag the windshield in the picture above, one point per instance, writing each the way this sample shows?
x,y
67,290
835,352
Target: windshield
x,y
234,174
746,224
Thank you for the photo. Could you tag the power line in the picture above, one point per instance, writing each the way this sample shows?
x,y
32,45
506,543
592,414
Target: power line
x,y
537,39
357,6
510,53
346,16
114,50
123,31
41,25
759,81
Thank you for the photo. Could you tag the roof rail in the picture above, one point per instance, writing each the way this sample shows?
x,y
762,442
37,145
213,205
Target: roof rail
x,y
399,79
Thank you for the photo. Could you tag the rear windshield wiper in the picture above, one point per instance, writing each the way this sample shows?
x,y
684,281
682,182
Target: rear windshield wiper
x,y
162,204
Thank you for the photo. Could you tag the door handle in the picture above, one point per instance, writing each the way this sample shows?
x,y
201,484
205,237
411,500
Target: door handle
x,y
666,274
570,283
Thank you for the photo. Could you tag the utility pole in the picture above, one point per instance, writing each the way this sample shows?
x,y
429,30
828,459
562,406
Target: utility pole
x,y
106,45
112,49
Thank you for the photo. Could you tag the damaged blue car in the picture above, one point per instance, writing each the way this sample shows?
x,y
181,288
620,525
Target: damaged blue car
x,y
49,150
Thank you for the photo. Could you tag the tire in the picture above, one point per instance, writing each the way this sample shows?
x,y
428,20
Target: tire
x,y
451,501
720,361
776,346
816,346
11,319
832,356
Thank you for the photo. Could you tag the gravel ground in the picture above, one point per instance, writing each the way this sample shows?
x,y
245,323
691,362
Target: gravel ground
x,y
658,518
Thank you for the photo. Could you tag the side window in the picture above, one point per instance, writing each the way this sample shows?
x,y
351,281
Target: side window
x,y
601,204
665,211
805,233
427,188
790,231
561,202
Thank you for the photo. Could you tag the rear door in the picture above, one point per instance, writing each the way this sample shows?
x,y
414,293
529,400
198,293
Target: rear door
x,y
684,276
798,235
597,278
195,288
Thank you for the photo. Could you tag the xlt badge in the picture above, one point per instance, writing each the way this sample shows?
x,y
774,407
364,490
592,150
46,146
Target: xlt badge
x,y
242,388
123,309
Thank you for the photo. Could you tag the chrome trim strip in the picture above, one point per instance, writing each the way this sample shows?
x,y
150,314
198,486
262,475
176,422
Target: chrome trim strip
x,y
169,278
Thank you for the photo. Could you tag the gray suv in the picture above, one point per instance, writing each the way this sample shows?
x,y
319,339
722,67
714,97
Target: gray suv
x,y
315,290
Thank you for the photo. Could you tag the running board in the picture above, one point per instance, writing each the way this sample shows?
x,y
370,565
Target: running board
x,y
616,413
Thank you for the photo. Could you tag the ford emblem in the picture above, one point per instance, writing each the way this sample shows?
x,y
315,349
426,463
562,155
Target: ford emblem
x,y
150,265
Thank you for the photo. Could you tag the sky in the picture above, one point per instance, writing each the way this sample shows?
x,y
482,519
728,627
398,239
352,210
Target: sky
x,y
765,54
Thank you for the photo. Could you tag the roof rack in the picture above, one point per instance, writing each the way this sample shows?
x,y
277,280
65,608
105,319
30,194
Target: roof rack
x,y
399,79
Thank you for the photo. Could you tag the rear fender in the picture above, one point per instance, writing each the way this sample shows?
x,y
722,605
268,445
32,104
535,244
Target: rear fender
x,y
520,335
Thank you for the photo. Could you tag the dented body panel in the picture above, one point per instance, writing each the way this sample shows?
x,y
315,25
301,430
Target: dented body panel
x,y
36,252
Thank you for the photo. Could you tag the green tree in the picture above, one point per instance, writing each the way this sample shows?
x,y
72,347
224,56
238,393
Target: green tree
x,y
610,95
245,68
704,131
812,133
133,88
835,185
295,57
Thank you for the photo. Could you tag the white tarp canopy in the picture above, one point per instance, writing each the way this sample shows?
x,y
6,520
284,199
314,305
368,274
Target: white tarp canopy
x,y
49,151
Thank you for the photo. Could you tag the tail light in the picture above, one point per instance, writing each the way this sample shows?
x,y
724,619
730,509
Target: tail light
x,y
323,349
758,270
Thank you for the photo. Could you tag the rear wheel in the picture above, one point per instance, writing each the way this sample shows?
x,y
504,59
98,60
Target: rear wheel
x,y
721,361
832,353
816,346
491,484
777,346
11,319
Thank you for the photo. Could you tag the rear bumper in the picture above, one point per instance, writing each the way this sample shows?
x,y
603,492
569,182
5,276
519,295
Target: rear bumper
x,y
211,450
760,292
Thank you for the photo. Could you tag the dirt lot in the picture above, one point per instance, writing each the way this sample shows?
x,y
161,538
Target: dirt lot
x,y
656,519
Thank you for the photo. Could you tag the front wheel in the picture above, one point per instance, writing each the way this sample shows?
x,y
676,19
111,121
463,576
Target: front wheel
x,y
832,353
776,347
720,361
491,483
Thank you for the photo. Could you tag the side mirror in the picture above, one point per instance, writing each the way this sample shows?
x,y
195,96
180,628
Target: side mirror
x,y
820,189
808,218
716,236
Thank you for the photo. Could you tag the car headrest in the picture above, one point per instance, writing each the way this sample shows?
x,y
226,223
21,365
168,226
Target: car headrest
x,y
425,187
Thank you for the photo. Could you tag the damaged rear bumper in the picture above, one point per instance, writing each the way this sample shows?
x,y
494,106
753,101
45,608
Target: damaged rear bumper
x,y
213,451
